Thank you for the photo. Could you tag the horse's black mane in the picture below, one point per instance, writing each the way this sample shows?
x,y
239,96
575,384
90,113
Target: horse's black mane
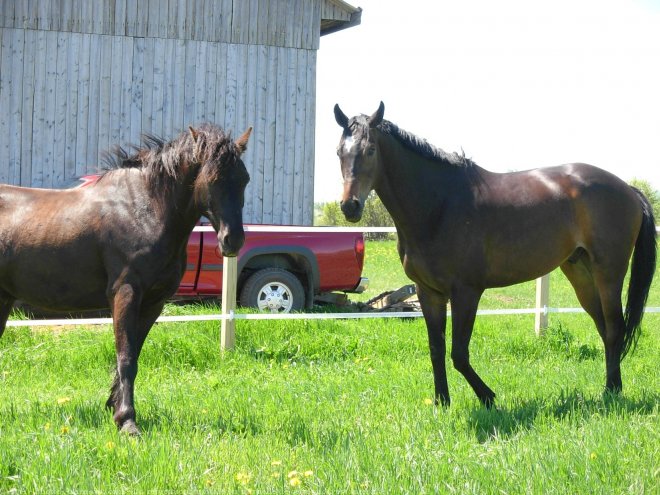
x,y
158,156
423,147
416,144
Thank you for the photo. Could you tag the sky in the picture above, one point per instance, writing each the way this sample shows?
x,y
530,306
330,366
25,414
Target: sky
x,y
515,84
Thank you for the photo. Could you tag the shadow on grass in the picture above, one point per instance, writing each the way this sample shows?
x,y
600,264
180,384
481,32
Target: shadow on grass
x,y
506,421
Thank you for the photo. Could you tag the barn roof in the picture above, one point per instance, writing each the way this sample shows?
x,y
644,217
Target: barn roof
x,y
337,15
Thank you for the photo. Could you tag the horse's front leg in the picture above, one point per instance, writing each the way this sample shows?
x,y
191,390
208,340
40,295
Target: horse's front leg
x,y
464,302
121,397
434,308
125,304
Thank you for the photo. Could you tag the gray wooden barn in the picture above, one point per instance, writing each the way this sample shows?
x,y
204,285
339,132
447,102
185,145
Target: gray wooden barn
x,y
79,76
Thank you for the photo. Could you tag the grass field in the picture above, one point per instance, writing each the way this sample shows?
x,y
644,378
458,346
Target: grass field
x,y
332,407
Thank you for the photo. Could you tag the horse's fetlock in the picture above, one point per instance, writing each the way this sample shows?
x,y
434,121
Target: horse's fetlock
x,y
124,414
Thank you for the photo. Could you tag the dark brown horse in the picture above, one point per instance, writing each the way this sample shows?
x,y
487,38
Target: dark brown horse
x,y
463,229
121,242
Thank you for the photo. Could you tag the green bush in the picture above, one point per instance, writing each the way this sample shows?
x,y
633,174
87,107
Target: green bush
x,y
651,194
374,215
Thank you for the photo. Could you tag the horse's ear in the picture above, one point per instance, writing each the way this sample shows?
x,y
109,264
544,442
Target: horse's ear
x,y
193,133
242,141
340,117
377,117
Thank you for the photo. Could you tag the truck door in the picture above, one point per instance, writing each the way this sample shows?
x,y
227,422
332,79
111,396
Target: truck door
x,y
194,252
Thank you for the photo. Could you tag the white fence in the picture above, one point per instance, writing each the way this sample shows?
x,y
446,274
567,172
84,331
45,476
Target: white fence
x,y
228,316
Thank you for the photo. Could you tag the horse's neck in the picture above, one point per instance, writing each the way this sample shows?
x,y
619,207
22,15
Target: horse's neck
x,y
178,206
187,204
417,191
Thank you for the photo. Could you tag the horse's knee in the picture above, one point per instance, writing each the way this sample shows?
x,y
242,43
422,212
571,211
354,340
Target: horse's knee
x,y
461,361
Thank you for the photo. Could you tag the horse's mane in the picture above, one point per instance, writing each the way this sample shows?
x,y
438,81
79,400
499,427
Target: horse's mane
x,y
414,143
423,147
159,158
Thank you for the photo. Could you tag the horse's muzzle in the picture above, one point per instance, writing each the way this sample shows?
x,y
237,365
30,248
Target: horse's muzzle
x,y
231,242
352,210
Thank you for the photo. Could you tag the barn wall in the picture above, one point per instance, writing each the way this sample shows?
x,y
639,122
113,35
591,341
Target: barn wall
x,y
284,23
80,76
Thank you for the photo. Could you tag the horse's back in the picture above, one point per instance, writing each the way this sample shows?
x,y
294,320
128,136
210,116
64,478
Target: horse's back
x,y
532,221
574,188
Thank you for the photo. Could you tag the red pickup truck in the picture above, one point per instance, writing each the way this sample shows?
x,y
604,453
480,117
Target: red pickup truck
x,y
279,271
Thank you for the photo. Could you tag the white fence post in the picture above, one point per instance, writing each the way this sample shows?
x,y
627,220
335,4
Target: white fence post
x,y
542,299
228,325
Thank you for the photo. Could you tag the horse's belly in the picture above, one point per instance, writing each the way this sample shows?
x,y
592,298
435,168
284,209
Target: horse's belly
x,y
525,260
60,293
50,283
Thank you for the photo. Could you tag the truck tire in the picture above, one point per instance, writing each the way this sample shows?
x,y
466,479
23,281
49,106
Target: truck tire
x,y
273,290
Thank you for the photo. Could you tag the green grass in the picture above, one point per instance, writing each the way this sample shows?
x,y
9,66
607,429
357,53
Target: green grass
x,y
345,402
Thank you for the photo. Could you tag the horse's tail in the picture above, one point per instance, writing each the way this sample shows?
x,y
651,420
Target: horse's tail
x,y
641,275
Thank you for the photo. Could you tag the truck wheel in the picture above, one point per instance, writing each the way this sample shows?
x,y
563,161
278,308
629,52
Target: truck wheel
x,y
273,290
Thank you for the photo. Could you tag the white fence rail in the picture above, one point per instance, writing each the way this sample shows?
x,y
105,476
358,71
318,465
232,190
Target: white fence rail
x,y
228,316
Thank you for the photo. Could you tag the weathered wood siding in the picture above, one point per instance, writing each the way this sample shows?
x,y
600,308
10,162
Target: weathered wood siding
x,y
80,76
287,23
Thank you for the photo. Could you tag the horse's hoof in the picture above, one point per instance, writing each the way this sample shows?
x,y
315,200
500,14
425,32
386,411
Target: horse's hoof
x,y
489,402
130,428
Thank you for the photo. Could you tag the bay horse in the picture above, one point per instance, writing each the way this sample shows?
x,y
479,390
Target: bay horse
x,y
463,229
120,243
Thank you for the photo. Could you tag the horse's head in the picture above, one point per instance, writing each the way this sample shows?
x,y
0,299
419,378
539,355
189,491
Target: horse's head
x,y
220,186
358,155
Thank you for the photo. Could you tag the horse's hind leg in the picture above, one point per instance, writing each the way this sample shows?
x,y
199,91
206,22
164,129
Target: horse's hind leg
x,y
610,296
5,309
464,304
578,273
600,296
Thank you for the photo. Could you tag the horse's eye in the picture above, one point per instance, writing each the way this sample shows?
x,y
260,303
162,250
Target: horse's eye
x,y
371,151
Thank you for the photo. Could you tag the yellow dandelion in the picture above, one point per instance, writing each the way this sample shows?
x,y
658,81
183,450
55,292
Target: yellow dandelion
x,y
593,456
276,474
428,402
209,482
63,400
64,430
308,474
294,482
243,478
276,463
292,474
110,445
47,426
